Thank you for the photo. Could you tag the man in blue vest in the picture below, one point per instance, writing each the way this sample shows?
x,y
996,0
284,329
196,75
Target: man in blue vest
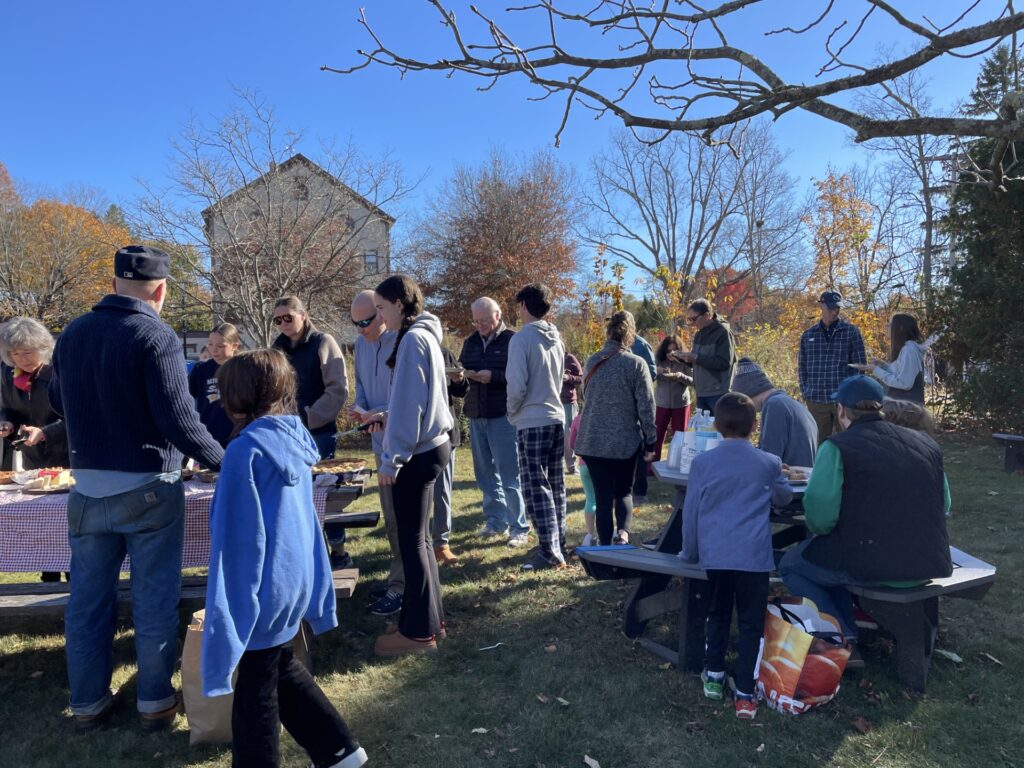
x,y
120,386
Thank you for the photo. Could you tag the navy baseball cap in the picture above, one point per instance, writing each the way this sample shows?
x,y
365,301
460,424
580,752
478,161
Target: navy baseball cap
x,y
857,389
140,262
831,299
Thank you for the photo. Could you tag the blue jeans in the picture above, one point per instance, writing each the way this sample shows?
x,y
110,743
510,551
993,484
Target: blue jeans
x,y
148,524
496,464
441,526
824,586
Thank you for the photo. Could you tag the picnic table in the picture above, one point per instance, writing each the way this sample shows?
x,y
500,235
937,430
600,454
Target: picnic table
x,y
34,537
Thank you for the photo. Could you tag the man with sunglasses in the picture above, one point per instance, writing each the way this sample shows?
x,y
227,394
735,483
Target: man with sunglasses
x,y
713,355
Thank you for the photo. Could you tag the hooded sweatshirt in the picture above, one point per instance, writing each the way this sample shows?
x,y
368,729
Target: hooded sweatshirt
x,y
536,363
269,567
418,415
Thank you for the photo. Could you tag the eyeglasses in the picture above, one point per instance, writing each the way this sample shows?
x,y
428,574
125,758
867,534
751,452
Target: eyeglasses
x,y
364,323
281,319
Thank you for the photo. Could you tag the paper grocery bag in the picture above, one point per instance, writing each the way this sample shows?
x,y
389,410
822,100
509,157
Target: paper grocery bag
x,y
209,717
802,658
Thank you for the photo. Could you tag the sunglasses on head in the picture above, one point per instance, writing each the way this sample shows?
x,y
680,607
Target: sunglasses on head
x,y
283,319
365,323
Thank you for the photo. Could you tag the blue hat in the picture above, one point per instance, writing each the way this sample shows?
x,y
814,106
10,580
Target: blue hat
x,y
857,389
831,299
140,262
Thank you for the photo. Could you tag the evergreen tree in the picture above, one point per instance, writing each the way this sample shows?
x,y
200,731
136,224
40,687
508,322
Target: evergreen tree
x,y
995,80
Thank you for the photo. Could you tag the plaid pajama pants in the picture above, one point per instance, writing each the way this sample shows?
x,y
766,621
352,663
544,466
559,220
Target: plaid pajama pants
x,y
541,451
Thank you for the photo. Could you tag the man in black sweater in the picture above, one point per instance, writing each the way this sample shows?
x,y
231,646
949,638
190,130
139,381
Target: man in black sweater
x,y
119,382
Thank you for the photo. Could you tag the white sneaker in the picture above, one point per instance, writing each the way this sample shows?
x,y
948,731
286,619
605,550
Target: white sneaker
x,y
351,760
517,540
588,540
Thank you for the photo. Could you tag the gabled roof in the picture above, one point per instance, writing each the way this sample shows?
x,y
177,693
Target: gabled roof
x,y
301,160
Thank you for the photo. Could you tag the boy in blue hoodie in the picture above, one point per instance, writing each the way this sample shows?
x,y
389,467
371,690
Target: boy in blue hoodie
x,y
269,570
726,530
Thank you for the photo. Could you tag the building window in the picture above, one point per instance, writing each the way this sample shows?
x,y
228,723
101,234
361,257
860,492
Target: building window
x,y
370,264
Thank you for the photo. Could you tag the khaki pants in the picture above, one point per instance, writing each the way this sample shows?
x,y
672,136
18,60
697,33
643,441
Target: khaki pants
x,y
826,416
396,576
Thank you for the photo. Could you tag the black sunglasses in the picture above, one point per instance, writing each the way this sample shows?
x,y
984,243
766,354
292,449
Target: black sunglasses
x,y
365,323
283,319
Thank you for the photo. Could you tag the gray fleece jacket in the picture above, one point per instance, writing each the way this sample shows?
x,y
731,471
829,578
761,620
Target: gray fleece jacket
x,y
536,362
418,415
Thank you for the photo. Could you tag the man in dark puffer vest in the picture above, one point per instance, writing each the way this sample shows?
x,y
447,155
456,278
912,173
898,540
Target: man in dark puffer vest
x,y
877,502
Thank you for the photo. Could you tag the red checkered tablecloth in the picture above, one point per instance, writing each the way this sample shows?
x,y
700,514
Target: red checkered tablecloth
x,y
34,529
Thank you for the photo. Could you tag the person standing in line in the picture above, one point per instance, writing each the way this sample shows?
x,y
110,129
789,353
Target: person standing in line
x,y
492,439
374,343
903,374
263,585
416,449
618,415
642,349
322,390
827,350
713,355
120,386
671,391
202,382
787,428
441,526
571,379
535,374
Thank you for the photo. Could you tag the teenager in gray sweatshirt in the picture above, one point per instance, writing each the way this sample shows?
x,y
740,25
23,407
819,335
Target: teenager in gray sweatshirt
x,y
415,451
536,362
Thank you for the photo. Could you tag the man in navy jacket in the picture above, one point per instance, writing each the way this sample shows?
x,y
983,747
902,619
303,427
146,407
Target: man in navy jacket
x,y
120,386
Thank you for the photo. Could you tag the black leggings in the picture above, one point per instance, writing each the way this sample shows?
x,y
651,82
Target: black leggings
x,y
613,487
273,688
413,496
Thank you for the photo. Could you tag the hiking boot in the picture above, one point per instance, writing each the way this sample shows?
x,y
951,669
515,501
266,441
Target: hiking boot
x,y
714,684
486,532
353,757
390,603
540,562
151,722
517,540
395,644
746,706
86,723
340,561
445,555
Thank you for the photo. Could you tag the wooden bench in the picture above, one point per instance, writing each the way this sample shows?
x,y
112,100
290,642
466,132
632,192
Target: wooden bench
x,y
1013,460
912,615
652,597
40,598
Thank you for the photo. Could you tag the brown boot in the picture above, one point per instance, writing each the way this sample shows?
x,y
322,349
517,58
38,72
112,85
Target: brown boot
x,y
445,555
396,644
150,722
391,627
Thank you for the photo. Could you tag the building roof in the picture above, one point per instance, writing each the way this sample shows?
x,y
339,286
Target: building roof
x,y
301,160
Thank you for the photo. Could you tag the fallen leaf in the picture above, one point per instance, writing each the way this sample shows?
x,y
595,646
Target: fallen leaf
x,y
542,698
551,648
990,657
862,725
479,730
590,762
760,748
562,701
948,655
36,675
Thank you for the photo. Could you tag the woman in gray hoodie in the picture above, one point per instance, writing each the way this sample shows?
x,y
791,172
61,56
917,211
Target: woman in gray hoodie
x,y
618,416
415,450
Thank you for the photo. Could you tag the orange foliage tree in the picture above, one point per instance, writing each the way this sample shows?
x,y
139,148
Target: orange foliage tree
x,y
493,230
56,257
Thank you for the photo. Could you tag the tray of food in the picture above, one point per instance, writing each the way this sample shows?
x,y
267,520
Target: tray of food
x,y
343,471
797,475
46,480
206,476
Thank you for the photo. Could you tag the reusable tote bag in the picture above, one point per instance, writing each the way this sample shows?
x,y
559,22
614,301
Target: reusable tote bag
x,y
209,717
802,658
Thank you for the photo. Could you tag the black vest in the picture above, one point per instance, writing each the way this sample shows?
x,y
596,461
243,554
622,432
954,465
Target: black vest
x,y
487,401
892,522
305,359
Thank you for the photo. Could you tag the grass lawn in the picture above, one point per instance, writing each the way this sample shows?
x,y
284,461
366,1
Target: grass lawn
x,y
559,635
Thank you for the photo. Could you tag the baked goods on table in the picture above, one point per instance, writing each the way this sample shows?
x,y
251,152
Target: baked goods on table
x,y
51,479
339,466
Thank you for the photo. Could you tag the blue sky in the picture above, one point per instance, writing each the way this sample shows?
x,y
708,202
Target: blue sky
x,y
94,92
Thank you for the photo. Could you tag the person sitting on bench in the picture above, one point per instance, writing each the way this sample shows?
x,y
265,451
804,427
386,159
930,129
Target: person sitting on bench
x,y
877,504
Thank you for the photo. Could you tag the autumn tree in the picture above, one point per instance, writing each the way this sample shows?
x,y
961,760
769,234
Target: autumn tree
x,y
56,256
248,218
699,68
493,229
